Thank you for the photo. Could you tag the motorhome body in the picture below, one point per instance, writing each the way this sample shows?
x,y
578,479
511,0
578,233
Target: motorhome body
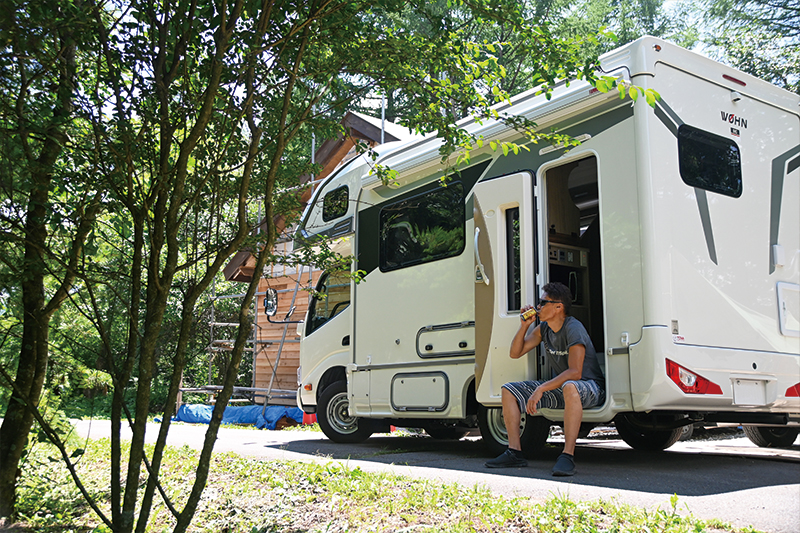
x,y
675,226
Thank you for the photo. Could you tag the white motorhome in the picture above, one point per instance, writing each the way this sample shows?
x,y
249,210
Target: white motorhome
x,y
676,228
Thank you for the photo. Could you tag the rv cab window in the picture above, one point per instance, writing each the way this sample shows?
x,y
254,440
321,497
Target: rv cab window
x,y
334,204
331,298
708,161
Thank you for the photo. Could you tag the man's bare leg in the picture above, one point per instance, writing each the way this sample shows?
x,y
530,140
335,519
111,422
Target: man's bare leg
x,y
511,417
512,457
573,415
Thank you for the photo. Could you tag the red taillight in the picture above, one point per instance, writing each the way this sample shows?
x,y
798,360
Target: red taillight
x,y
689,382
793,391
734,80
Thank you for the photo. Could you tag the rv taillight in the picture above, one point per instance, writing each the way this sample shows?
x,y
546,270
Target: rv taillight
x,y
734,80
793,391
689,382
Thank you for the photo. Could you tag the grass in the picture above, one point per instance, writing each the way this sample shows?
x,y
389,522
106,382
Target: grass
x,y
256,496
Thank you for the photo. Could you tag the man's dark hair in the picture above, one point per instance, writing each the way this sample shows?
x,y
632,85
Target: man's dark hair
x,y
559,292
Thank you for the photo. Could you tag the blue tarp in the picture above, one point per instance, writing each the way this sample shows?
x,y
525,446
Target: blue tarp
x,y
252,414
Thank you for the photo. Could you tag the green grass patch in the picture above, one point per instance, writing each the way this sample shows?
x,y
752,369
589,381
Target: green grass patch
x,y
256,496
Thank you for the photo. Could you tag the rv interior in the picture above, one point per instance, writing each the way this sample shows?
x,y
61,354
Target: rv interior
x,y
573,240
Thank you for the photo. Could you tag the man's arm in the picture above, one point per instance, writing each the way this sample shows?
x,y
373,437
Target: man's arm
x,y
524,341
577,352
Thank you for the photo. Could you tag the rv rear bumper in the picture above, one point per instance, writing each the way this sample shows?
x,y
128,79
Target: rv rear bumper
x,y
741,380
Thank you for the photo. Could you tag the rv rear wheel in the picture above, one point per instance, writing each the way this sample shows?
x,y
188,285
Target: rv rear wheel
x,y
648,440
334,417
534,431
441,431
771,437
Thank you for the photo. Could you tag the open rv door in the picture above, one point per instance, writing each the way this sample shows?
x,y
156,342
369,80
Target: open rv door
x,y
505,279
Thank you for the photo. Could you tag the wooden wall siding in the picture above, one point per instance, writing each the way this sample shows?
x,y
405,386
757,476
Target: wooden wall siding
x,y
286,375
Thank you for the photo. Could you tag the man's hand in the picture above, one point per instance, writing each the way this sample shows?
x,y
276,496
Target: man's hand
x,y
533,401
531,316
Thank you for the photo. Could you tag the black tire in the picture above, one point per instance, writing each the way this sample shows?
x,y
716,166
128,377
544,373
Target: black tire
x,y
441,431
533,436
686,432
771,437
586,428
646,440
334,419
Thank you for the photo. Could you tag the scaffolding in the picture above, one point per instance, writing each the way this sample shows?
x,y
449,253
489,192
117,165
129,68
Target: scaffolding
x,y
262,337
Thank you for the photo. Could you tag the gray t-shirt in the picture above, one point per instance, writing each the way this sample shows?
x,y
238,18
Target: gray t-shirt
x,y
557,344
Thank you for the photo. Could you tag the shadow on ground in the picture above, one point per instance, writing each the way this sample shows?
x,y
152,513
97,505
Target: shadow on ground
x,y
684,474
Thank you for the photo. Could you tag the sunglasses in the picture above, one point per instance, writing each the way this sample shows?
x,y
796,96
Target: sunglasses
x,y
542,303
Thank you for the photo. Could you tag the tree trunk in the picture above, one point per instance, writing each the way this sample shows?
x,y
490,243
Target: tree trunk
x,y
33,357
32,365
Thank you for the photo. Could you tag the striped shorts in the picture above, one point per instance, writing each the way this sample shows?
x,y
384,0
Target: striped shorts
x,y
592,394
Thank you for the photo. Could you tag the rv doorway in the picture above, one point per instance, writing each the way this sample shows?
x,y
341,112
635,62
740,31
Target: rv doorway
x,y
573,240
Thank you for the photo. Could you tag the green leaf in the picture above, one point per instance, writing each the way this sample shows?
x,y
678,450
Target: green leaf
x,y
633,93
505,148
493,145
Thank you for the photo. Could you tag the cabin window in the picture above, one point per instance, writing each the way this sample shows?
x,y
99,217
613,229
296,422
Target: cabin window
x,y
708,161
513,276
331,298
334,204
424,228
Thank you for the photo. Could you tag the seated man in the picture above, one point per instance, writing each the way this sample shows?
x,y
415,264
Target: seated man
x,y
577,384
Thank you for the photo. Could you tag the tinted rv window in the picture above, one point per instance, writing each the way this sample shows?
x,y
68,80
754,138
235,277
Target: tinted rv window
x,y
334,204
423,228
709,161
513,266
332,297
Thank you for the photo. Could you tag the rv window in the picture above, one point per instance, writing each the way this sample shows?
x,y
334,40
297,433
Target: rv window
x,y
423,228
333,297
334,204
512,255
709,161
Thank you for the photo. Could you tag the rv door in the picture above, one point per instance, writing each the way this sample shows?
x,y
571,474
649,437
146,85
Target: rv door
x,y
505,279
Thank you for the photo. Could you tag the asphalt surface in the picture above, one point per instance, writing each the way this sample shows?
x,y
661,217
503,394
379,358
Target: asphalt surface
x,y
730,479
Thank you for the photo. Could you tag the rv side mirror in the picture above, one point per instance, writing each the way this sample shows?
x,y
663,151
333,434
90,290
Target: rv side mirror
x,y
271,302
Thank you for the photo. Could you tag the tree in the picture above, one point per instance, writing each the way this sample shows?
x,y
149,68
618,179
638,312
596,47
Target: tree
x,y
189,114
759,37
46,207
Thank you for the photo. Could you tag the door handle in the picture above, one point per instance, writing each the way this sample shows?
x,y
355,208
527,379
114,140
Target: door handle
x,y
479,272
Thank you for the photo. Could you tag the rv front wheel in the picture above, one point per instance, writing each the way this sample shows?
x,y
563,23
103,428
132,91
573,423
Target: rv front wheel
x,y
534,431
334,417
771,437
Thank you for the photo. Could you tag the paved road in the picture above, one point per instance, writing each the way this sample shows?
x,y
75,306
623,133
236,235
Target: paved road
x,y
732,480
